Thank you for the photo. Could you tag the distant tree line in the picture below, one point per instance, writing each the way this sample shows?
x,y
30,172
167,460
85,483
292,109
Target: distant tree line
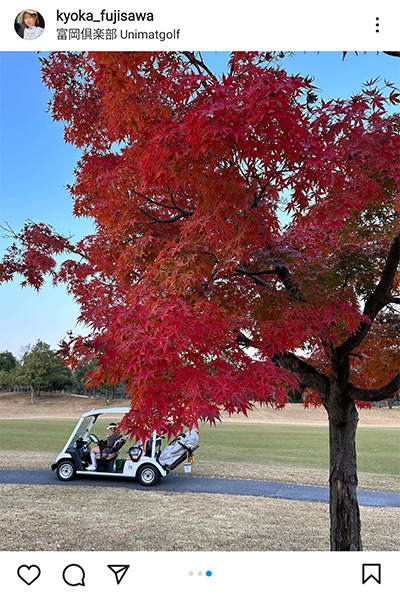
x,y
42,369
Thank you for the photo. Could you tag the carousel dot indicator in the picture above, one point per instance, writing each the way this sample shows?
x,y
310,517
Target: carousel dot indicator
x,y
208,573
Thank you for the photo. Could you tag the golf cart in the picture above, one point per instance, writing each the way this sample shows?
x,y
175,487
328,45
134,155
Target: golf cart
x,y
144,462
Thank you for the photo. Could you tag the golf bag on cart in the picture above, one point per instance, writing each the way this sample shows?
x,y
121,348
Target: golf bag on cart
x,y
177,451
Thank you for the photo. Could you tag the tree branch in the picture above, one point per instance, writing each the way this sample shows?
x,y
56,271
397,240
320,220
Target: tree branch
x,y
243,340
155,219
254,276
375,302
52,237
198,64
396,54
286,278
309,376
160,204
383,393
258,196
392,301
173,201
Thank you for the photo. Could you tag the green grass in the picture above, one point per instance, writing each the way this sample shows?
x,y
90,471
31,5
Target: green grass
x,y
266,444
35,435
263,444
378,448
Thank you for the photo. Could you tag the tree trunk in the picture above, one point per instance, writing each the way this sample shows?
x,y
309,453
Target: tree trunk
x,y
344,509
32,395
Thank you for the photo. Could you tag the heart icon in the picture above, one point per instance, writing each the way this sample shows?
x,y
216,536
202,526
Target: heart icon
x,y
28,574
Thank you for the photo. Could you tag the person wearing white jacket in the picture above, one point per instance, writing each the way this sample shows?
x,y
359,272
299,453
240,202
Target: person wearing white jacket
x,y
29,21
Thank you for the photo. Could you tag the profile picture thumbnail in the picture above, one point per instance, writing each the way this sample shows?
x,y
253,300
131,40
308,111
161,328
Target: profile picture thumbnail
x,y
29,24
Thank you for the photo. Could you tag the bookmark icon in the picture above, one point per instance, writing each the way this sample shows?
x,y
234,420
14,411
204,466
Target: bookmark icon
x,y
119,571
371,572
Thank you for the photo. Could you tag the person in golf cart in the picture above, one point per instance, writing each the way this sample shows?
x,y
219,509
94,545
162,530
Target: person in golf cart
x,y
106,448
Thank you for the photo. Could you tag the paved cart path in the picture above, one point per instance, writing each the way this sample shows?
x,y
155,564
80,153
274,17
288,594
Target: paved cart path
x,y
200,485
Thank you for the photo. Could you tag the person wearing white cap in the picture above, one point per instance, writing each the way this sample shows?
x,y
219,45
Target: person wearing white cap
x,y
105,446
29,21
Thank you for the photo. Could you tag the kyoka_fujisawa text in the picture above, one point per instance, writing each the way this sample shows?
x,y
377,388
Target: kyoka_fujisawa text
x,y
113,16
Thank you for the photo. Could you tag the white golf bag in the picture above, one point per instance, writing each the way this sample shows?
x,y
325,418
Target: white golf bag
x,y
177,449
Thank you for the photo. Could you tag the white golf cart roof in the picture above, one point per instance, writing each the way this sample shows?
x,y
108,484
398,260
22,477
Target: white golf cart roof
x,y
88,419
105,411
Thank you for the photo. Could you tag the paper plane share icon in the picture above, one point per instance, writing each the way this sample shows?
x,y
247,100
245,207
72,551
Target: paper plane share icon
x,y
119,571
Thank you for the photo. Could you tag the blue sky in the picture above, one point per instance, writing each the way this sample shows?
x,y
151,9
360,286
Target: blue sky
x,y
36,165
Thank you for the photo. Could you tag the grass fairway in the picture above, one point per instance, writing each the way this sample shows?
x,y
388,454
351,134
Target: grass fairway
x,y
266,444
292,448
299,445
253,444
36,435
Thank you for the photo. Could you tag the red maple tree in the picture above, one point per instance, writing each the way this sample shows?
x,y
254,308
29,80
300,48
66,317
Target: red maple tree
x,y
246,242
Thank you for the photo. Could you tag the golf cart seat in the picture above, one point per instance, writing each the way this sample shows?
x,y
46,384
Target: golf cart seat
x,y
116,448
112,455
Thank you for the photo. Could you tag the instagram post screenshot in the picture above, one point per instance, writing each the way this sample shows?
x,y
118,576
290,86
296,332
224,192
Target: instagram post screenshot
x,y
200,300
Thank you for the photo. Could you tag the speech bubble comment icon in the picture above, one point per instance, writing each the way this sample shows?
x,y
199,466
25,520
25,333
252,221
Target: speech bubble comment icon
x,y
28,574
74,575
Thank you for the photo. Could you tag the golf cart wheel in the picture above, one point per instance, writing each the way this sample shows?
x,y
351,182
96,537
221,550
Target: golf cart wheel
x,y
148,475
66,470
